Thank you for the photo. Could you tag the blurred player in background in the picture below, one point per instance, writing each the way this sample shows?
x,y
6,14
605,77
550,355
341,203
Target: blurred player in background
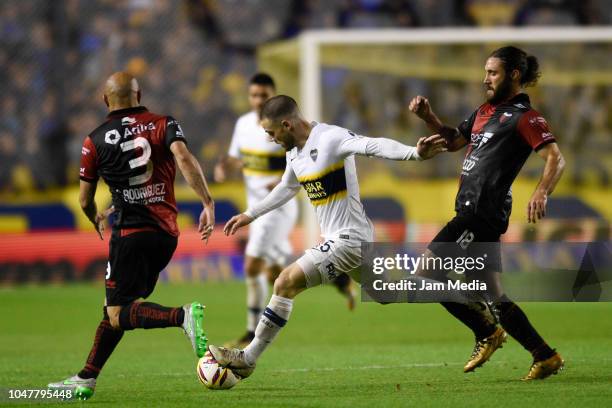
x,y
262,163
500,135
320,158
136,152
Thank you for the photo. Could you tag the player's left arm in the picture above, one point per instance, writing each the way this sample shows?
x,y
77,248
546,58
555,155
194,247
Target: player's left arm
x,y
534,130
426,148
192,171
553,169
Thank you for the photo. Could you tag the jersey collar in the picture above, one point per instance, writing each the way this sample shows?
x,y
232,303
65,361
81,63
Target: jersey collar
x,y
313,131
126,111
518,98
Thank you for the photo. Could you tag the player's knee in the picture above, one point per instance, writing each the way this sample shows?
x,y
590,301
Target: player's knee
x,y
290,282
285,286
273,272
113,316
282,284
252,266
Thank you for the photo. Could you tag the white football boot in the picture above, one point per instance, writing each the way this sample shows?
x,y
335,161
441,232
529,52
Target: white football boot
x,y
233,359
79,388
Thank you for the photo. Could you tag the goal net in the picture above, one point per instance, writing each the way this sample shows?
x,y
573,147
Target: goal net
x,y
364,79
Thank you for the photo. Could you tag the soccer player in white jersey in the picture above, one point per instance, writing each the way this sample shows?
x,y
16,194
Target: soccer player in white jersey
x,y
262,163
320,158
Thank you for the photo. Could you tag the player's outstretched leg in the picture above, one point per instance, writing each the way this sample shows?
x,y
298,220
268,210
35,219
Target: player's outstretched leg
x,y
546,361
83,384
287,286
147,315
116,320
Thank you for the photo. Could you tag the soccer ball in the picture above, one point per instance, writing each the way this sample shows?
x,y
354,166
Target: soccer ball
x,y
213,376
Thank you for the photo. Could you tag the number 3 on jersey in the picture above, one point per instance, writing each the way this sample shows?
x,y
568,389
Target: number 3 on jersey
x,y
143,160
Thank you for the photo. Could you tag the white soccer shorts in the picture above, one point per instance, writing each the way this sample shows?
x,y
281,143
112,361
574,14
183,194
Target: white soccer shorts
x,y
323,263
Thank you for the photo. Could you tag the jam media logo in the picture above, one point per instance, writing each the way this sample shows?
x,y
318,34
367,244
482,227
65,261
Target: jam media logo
x,y
127,121
314,153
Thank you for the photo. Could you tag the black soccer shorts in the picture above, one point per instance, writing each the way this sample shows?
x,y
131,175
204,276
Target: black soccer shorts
x,y
135,261
467,235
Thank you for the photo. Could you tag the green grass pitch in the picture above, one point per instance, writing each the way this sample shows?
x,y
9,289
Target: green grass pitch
x,y
394,355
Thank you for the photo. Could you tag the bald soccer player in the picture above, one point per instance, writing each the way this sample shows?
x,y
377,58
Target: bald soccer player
x,y
136,151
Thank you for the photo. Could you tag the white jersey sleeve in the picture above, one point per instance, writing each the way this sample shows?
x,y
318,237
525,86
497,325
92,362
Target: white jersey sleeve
x,y
234,149
284,191
378,147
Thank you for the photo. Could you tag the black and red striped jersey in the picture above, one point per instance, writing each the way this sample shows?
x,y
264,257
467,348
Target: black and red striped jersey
x,y
131,152
501,138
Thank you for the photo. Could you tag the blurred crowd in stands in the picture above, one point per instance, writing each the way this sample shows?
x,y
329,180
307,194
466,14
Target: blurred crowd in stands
x,y
193,59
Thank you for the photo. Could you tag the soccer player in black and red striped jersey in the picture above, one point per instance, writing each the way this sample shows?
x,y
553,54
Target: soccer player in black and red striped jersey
x,y
136,152
499,135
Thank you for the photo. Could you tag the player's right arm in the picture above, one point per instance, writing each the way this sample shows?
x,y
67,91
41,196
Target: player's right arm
x,y
420,106
191,170
229,166
284,191
88,173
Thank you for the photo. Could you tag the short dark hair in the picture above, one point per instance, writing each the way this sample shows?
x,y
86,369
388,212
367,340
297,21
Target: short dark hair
x,y
261,78
279,107
515,58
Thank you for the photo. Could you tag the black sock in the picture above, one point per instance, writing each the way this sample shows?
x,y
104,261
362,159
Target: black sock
x,y
146,315
516,323
476,321
342,282
105,341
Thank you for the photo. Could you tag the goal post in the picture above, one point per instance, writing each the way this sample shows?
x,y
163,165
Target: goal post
x,y
301,57
573,59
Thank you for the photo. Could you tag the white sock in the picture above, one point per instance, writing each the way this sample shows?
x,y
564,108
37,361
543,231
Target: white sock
x,y
274,317
257,296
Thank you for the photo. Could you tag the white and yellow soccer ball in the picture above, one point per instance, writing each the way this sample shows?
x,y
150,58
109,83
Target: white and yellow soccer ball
x,y
213,376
